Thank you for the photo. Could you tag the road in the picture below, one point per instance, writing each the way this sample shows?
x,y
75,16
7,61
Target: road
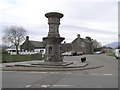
x,y
104,77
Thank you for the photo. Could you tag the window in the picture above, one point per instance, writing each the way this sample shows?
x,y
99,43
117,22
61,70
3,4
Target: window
x,y
50,50
82,44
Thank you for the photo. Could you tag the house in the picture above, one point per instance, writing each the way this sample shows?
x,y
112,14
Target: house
x,y
82,44
32,46
65,47
79,44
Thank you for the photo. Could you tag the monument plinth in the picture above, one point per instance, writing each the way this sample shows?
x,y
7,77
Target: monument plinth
x,y
53,40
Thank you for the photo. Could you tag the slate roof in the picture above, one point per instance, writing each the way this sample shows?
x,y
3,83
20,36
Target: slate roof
x,y
37,44
64,45
85,40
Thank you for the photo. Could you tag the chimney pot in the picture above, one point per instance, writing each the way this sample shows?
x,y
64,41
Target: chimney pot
x,y
78,35
27,38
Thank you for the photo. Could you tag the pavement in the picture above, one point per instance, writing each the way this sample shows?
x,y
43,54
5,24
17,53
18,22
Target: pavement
x,y
29,65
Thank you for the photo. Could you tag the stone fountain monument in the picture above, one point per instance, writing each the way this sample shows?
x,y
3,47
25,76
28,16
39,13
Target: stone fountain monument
x,y
53,40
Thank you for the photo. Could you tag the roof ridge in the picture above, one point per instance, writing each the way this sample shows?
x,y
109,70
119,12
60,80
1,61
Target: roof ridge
x,y
34,41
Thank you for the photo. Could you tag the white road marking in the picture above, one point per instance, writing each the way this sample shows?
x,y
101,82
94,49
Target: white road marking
x,y
53,72
35,72
45,86
28,86
94,74
69,73
107,74
60,85
43,72
78,74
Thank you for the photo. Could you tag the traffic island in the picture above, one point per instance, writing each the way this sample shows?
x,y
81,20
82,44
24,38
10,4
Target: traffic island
x,y
40,68
59,64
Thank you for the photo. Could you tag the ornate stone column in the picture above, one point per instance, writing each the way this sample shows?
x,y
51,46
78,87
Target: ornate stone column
x,y
53,40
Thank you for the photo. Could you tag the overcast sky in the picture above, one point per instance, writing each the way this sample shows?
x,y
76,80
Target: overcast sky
x,y
95,18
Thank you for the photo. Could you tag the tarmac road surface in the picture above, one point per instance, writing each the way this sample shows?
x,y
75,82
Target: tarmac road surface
x,y
104,77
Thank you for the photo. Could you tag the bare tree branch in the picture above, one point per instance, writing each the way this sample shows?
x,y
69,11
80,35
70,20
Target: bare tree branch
x,y
15,35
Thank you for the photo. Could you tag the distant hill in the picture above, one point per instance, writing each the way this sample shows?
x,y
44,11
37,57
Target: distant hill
x,y
0,45
113,44
3,46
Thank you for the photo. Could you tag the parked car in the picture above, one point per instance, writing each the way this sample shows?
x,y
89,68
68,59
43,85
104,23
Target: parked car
x,y
117,53
70,53
79,53
97,52
74,53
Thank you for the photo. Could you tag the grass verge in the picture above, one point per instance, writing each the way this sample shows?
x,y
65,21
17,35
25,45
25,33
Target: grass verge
x,y
19,58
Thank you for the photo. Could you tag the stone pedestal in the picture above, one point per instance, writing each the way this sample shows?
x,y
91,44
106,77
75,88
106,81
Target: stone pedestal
x,y
53,40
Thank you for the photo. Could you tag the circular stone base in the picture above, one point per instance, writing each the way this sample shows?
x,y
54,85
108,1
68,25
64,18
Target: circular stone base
x,y
44,69
53,63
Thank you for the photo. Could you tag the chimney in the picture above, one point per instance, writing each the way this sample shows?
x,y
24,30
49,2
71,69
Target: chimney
x,y
64,41
27,38
78,35
88,38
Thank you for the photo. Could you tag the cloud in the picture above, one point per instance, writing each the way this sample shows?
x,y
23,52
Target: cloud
x,y
95,18
70,28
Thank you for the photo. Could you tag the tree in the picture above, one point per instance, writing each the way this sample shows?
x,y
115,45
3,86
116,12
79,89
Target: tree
x,y
118,47
4,45
15,35
96,45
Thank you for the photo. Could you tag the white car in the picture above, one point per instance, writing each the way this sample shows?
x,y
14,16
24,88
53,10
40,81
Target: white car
x,y
67,53
98,52
117,53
